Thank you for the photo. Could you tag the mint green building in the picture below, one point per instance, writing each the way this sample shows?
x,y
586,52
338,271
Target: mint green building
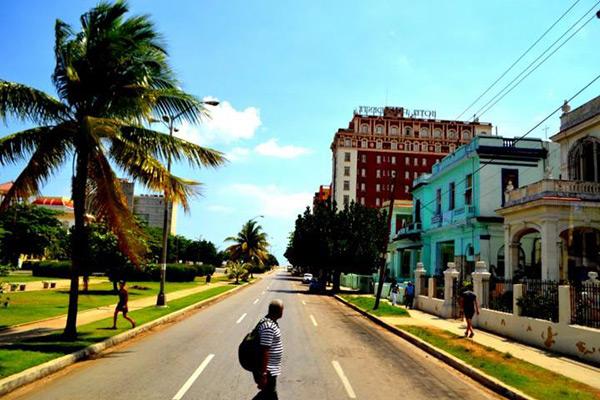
x,y
453,214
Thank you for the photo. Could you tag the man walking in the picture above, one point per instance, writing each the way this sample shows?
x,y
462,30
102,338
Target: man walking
x,y
271,349
409,295
122,306
469,304
394,289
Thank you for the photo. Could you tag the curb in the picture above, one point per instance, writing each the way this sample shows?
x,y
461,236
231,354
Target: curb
x,y
489,382
32,374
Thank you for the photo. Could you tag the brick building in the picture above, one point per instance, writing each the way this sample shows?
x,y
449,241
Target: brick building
x,y
322,195
382,141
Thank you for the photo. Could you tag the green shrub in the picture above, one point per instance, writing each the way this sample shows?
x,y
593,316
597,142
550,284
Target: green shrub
x,y
4,270
54,269
205,269
28,265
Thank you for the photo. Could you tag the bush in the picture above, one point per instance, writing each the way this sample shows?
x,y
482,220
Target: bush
x,y
4,270
28,265
205,269
54,269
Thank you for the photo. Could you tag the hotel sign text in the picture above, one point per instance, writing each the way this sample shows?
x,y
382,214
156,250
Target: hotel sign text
x,y
395,111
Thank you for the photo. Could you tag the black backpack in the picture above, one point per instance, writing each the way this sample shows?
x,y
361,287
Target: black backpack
x,y
249,350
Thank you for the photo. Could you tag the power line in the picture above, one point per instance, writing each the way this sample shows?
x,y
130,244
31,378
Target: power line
x,y
517,60
516,140
500,93
536,67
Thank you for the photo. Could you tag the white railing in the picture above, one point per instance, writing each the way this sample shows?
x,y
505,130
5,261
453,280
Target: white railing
x,y
555,187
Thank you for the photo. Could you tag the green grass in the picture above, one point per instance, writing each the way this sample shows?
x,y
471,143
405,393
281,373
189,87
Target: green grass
x,y
25,354
36,305
385,309
25,278
530,379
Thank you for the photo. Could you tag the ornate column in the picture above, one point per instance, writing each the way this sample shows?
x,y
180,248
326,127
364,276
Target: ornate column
x,y
481,281
550,253
450,274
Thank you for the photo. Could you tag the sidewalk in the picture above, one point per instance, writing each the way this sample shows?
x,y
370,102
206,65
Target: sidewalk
x,y
84,317
575,370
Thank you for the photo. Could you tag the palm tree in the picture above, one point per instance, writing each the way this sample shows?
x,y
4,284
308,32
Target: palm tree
x,y
112,78
250,244
237,270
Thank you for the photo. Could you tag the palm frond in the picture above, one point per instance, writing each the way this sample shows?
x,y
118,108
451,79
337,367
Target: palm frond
x,y
51,150
28,104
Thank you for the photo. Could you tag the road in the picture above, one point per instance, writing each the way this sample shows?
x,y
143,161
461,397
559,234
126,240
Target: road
x,y
330,352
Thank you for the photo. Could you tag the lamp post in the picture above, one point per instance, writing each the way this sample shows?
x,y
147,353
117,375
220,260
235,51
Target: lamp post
x,y
161,300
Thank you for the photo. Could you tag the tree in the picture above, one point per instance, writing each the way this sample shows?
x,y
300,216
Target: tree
x,y
250,245
237,270
28,230
112,77
271,261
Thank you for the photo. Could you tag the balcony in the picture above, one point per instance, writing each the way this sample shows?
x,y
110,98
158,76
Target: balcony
x,y
453,217
410,230
556,190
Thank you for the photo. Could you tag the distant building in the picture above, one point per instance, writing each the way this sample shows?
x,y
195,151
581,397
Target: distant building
x,y
151,209
4,188
63,205
322,195
454,214
560,212
127,187
380,142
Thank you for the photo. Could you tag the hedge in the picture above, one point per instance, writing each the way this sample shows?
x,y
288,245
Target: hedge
x,y
53,269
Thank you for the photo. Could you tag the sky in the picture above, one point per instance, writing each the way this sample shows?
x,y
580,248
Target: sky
x,y
288,74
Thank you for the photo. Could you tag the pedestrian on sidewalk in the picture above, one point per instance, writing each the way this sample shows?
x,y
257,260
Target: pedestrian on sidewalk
x,y
469,305
409,295
122,305
271,349
394,289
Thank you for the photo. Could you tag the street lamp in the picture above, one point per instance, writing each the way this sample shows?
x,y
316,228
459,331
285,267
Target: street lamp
x,y
161,300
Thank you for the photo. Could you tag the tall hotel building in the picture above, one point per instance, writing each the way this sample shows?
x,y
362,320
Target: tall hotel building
x,y
382,141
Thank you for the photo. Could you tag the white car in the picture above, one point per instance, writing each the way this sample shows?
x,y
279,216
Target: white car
x,y
307,278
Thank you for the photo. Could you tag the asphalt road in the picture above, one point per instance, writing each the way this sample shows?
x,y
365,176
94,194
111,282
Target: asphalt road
x,y
330,352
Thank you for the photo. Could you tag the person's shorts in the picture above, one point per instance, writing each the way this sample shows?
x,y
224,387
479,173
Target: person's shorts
x,y
469,313
123,309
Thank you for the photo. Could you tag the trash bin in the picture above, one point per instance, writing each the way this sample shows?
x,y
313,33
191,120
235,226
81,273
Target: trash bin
x,y
208,278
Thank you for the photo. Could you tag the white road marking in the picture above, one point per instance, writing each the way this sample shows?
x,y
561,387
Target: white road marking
x,y
256,301
344,379
186,386
303,302
241,318
314,321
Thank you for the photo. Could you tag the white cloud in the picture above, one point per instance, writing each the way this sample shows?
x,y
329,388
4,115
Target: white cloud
x,y
238,154
272,149
272,200
225,125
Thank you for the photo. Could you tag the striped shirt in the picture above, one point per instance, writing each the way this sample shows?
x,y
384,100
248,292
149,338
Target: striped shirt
x,y
270,336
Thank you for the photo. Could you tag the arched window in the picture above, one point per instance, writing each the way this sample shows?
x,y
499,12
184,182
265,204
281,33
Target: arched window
x,y
394,145
452,148
407,131
424,146
364,128
437,133
394,130
363,143
379,144
584,160
424,132
347,142
379,129
451,134
466,135
438,147
416,146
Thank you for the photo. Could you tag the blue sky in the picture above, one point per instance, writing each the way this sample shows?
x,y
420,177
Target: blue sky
x,y
289,74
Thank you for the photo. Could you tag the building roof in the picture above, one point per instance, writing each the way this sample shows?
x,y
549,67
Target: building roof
x,y
5,187
55,201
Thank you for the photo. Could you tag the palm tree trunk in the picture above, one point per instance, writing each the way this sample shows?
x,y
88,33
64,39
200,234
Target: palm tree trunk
x,y
78,238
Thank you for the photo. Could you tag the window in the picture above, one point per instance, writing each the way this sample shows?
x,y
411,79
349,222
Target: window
x,y
466,135
438,148
415,175
379,144
363,187
452,148
394,146
346,200
418,211
377,202
363,172
415,161
378,188
346,156
406,160
438,201
405,188
406,175
424,146
424,133
362,201
415,146
378,159
346,171
451,194
424,162
364,128
584,160
363,158
393,159
469,190
363,143
346,185
347,142
379,129
394,130
451,134
378,173
407,131
393,173
437,133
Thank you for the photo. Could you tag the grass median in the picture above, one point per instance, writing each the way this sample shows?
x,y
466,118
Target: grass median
x,y
366,303
36,305
535,381
28,353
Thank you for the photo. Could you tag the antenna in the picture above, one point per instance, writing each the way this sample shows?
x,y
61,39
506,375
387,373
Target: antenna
x,y
545,129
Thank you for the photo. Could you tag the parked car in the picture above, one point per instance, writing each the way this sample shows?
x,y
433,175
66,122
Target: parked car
x,y
307,278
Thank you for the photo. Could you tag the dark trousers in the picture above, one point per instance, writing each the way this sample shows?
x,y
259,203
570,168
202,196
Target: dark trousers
x,y
270,391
